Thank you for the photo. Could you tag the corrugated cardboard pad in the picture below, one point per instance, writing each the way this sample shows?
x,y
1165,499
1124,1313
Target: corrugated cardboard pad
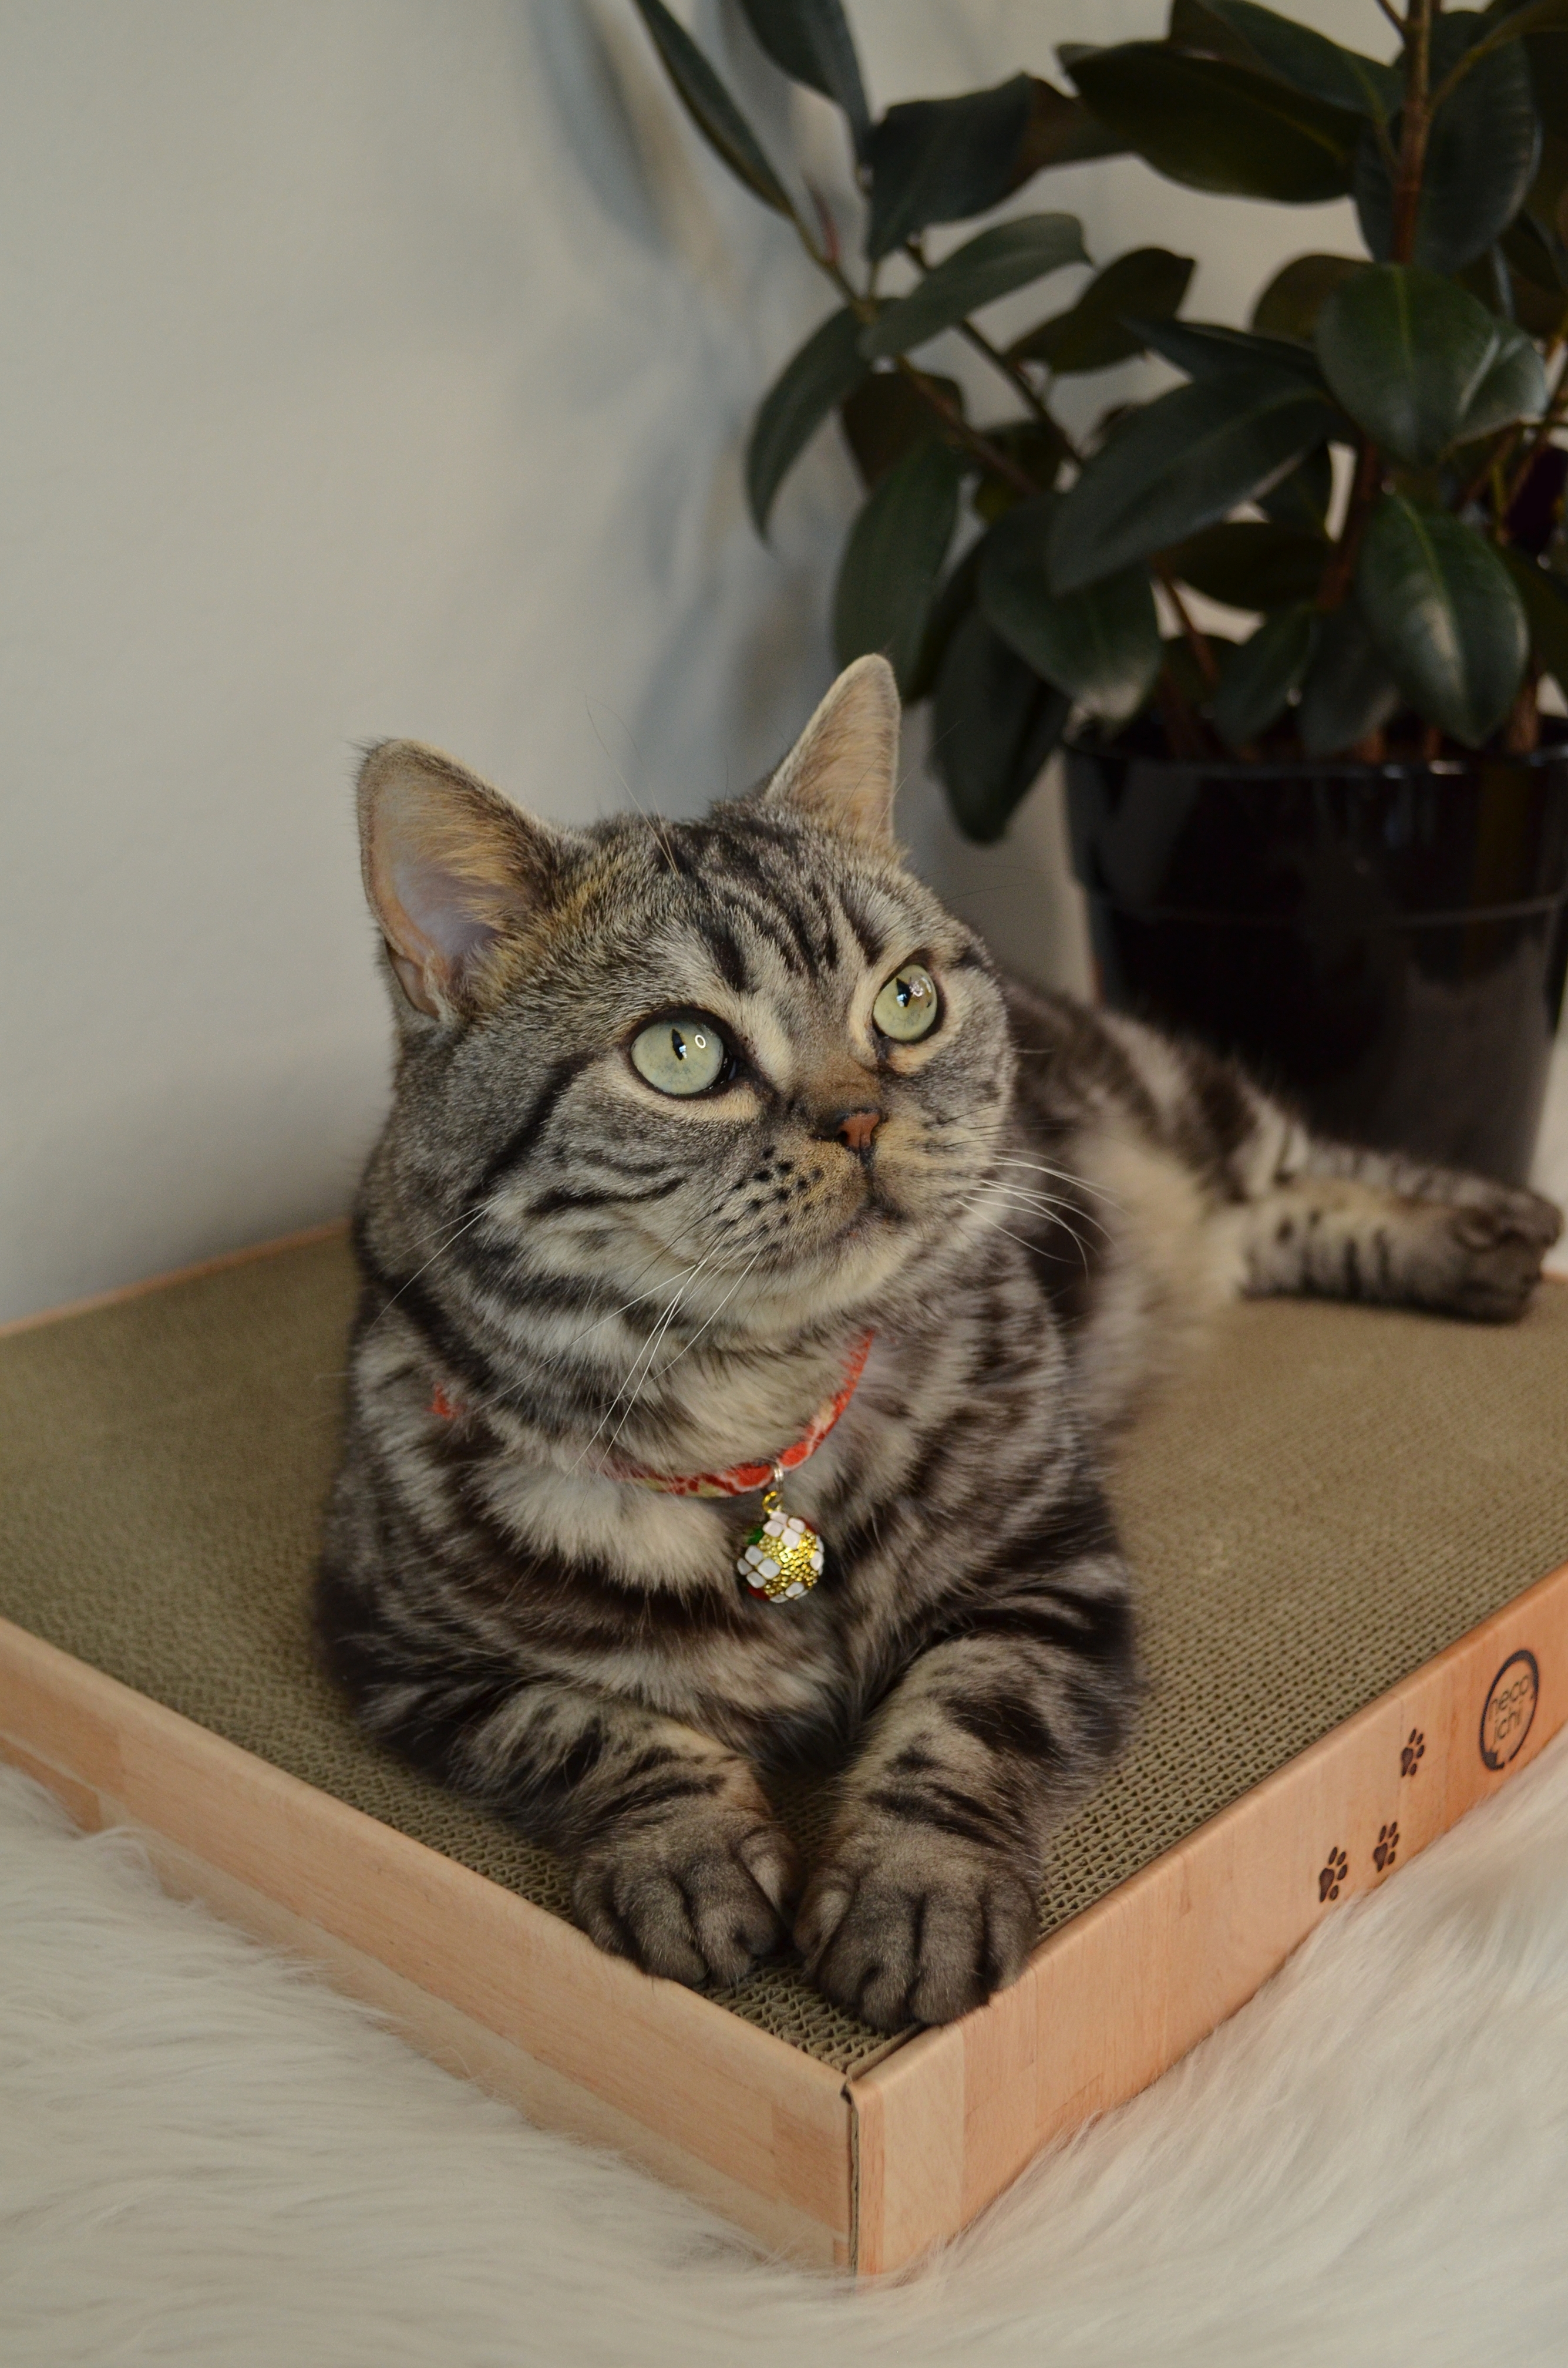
x,y
1329,1498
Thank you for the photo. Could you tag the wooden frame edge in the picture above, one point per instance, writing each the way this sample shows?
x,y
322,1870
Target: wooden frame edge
x,y
97,1300
1116,1997
578,2041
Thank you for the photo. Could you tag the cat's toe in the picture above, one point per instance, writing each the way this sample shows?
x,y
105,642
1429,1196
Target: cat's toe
x,y
698,1903
1500,1246
899,1932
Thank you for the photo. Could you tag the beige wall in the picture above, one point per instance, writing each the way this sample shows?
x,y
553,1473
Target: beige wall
x,y
373,367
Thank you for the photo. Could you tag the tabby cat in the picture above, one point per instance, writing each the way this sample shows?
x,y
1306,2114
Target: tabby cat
x,y
683,1112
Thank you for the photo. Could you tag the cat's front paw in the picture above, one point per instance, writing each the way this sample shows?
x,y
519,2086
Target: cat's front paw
x,y
698,1899
1498,1245
904,1924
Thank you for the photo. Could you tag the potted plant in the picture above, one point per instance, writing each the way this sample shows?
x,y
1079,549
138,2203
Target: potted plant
x,y
1337,840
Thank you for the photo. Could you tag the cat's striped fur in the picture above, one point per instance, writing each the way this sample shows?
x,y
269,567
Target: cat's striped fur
x,y
592,1271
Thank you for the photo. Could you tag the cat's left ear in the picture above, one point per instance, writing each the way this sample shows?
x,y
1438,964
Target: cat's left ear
x,y
454,873
843,771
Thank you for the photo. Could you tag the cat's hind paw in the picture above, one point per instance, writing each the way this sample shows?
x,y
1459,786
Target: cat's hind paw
x,y
1497,1247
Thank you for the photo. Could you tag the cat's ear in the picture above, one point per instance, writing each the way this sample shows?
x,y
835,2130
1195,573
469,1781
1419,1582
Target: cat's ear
x,y
454,874
843,771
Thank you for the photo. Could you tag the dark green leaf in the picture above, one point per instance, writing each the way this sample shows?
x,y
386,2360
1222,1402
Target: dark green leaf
x,y
1289,305
954,602
1206,349
1533,268
993,724
1092,336
893,558
1302,497
1445,614
828,367
1531,240
1545,596
1484,33
1481,158
937,160
1489,282
1249,564
1215,125
1061,131
1192,25
710,107
1038,446
1256,680
1184,669
812,41
886,418
1546,208
1419,363
1008,256
1311,61
1179,463
1101,644
1548,55
1533,309
1348,690
1514,387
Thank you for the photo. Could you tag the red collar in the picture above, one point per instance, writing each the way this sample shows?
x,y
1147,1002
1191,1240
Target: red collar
x,y
738,1479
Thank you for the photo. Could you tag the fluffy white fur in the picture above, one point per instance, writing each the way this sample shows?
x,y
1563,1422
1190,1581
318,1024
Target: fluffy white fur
x,y
207,2158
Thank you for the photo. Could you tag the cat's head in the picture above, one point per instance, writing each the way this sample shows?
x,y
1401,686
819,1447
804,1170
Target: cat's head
x,y
754,1046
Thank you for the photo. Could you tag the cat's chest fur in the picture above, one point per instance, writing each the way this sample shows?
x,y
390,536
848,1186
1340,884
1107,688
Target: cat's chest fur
x,y
593,1579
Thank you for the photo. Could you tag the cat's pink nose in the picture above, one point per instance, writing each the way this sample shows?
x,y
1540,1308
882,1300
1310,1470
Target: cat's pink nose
x,y
855,1130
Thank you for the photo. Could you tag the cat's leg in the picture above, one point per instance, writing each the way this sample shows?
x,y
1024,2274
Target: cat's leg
x,y
1347,1224
922,1900
1285,1211
677,1861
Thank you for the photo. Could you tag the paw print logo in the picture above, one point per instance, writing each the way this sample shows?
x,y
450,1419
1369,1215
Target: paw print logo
x,y
1387,1843
1414,1752
1332,1875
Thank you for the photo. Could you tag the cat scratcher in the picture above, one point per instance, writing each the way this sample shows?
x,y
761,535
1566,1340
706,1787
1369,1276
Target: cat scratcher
x,y
1340,1523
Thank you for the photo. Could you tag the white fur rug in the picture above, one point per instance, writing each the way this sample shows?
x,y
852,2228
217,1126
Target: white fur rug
x,y
205,2158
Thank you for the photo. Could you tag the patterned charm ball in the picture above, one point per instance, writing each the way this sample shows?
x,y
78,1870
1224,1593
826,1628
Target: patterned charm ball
x,y
782,1558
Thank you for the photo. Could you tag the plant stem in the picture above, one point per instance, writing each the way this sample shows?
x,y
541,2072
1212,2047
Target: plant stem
x,y
1203,656
1555,413
1012,372
1340,571
1183,733
1396,19
1001,464
1415,124
1015,376
1521,734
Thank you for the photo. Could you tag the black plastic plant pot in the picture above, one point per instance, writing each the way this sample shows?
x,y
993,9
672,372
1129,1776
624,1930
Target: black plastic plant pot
x,y
1385,944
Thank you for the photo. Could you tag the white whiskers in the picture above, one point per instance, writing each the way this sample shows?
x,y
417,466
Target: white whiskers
x,y
716,1313
1058,1176
438,1252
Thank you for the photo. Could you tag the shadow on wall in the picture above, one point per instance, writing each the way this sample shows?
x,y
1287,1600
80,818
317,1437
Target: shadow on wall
x,y
1020,893
741,652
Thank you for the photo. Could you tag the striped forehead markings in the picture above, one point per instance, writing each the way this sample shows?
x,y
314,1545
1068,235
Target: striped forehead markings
x,y
760,873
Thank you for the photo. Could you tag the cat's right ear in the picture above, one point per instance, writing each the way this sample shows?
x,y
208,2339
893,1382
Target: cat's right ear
x,y
454,873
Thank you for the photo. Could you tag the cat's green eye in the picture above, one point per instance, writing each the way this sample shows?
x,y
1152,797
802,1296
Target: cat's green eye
x,y
907,1007
682,1054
